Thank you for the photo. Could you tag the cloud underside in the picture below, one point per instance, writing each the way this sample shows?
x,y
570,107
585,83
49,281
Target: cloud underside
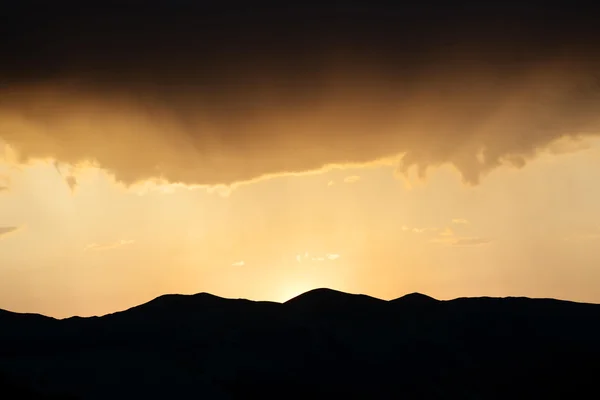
x,y
169,105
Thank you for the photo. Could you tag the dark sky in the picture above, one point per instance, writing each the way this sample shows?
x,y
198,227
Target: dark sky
x,y
185,42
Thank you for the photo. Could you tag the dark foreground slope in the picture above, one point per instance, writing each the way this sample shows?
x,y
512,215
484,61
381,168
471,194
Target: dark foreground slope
x,y
322,344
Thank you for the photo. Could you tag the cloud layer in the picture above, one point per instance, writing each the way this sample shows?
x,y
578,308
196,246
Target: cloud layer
x,y
212,97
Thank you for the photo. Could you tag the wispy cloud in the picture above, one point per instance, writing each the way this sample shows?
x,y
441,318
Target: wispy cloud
x,y
4,183
8,230
352,179
108,246
307,257
447,232
448,237
471,241
461,241
240,263
330,183
417,230
460,221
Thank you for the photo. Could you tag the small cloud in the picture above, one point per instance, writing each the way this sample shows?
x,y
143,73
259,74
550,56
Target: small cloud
x,y
461,241
330,183
460,221
443,240
447,232
417,230
3,188
98,247
327,257
448,237
352,179
8,230
475,241
240,263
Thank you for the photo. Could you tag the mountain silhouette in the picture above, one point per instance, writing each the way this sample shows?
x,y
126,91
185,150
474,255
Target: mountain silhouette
x,y
414,299
329,300
321,344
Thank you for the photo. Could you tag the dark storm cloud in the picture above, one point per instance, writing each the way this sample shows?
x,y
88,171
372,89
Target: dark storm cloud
x,y
208,93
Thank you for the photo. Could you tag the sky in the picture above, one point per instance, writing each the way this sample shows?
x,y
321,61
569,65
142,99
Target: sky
x,y
260,152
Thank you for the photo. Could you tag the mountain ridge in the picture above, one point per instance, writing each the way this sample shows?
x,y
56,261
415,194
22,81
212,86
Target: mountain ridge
x,y
414,297
321,344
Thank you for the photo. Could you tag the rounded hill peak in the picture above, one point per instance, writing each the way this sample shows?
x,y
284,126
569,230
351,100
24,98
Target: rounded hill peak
x,y
324,298
415,298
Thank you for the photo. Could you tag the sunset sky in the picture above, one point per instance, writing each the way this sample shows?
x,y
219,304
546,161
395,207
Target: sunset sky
x,y
258,155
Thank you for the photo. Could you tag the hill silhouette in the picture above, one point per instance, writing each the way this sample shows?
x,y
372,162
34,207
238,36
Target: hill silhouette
x,y
321,344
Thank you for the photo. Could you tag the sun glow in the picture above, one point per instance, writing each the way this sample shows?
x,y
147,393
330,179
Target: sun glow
x,y
292,289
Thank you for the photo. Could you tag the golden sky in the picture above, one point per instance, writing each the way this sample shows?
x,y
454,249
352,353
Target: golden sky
x,y
260,153
97,246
